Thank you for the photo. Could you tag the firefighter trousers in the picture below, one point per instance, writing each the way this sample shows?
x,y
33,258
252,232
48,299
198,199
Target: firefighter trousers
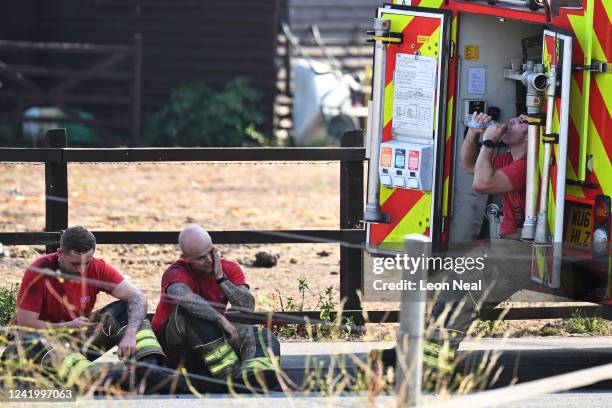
x,y
506,270
66,355
202,348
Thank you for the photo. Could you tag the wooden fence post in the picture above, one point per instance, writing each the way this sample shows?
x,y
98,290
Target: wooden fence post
x,y
351,216
56,187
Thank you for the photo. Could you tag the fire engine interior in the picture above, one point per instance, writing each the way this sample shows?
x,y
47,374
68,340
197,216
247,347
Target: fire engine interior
x,y
486,46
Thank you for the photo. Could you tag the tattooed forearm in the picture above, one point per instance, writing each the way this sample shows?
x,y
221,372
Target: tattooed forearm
x,y
137,311
193,304
238,295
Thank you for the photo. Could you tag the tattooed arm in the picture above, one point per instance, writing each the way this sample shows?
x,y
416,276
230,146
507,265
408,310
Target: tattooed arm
x,y
198,307
238,295
137,312
194,304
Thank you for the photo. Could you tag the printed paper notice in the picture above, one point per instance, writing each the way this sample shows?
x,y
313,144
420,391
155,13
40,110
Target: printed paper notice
x,y
414,95
477,80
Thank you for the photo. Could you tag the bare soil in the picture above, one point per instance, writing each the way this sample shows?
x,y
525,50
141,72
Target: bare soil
x,y
166,197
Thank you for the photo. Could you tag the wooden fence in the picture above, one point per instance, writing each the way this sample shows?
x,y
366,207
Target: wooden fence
x,y
350,235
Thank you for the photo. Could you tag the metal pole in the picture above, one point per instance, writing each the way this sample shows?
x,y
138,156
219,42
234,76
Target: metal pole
x,y
372,210
535,81
541,236
409,366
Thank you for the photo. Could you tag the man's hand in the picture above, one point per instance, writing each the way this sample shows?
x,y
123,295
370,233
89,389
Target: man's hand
x,y
494,133
231,331
80,322
127,345
479,118
218,271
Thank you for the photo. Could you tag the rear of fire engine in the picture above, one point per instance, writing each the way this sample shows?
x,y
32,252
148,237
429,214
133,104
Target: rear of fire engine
x,y
438,61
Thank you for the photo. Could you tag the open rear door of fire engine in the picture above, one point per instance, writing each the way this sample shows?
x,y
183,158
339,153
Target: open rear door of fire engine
x,y
557,55
410,140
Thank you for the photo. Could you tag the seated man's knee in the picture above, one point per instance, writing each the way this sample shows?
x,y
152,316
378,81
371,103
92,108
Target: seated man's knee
x,y
30,346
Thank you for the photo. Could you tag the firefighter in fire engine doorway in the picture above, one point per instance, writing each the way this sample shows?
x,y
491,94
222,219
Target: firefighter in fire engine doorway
x,y
507,259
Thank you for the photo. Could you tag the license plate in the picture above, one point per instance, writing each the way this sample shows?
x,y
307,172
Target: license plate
x,y
579,224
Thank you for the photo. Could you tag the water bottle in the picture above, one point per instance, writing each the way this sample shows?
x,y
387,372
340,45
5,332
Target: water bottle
x,y
470,122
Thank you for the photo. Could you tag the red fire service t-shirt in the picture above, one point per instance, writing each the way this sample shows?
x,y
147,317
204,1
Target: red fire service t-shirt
x,y
204,286
514,201
64,301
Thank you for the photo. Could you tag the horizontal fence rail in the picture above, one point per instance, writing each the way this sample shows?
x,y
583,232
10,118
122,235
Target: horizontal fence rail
x,y
350,235
209,154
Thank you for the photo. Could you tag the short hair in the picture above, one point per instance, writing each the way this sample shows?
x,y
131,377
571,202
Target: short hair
x,y
77,239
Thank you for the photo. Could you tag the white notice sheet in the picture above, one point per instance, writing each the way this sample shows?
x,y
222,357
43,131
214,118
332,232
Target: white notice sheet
x,y
414,95
477,80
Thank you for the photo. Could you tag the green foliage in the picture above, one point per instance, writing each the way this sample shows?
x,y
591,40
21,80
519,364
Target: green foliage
x,y
491,328
333,326
580,324
196,115
8,304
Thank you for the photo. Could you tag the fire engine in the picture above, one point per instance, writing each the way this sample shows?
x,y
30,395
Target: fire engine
x,y
438,61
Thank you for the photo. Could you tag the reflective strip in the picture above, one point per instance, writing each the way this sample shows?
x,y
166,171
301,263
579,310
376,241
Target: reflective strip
x,y
147,343
67,363
263,363
77,371
432,362
145,334
217,353
229,360
436,350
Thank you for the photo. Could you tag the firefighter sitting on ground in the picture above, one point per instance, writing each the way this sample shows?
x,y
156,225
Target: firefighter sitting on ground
x,y
192,327
59,307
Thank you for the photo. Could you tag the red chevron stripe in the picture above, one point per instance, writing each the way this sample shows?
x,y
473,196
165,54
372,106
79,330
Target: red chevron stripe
x,y
387,134
573,144
601,118
601,26
591,193
397,206
550,49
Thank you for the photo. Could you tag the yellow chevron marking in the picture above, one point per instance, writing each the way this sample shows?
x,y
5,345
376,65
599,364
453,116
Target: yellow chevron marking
x,y
551,209
601,162
431,3
608,7
410,223
445,197
598,52
385,193
388,105
603,81
399,22
429,47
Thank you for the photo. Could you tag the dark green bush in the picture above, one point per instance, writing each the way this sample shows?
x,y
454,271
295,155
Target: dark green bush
x,y
198,116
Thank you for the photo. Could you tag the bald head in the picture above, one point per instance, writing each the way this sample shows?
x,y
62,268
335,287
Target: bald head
x,y
194,240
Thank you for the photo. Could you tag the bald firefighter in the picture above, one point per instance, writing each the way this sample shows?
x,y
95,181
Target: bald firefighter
x,y
191,324
56,329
